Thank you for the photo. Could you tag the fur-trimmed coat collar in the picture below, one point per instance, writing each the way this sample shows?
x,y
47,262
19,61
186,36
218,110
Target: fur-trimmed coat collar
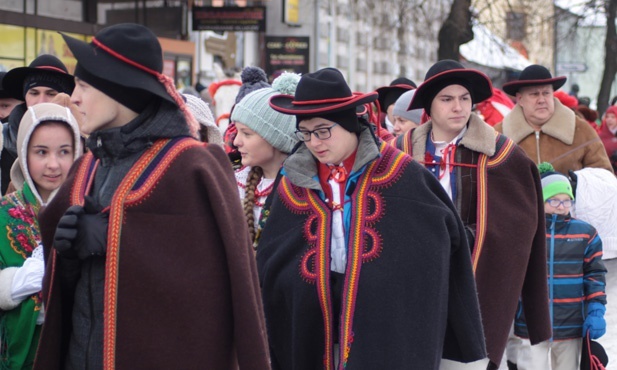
x,y
480,137
301,167
561,125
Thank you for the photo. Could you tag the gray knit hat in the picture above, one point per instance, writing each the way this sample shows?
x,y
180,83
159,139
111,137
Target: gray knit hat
x,y
400,108
253,78
254,111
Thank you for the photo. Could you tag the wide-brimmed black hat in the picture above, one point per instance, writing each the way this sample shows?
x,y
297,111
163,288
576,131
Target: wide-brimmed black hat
x,y
321,92
125,54
388,95
592,352
13,81
534,75
450,72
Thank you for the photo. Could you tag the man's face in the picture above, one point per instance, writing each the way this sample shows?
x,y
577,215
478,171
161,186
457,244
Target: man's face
x,y
450,112
40,94
98,110
6,107
333,150
537,103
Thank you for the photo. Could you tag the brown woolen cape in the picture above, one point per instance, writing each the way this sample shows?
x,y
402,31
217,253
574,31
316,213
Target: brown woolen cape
x,y
511,262
188,294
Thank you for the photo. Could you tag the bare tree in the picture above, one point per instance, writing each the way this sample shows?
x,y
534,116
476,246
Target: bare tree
x,y
456,30
610,59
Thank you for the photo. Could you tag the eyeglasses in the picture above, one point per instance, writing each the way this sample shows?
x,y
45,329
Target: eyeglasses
x,y
321,133
556,202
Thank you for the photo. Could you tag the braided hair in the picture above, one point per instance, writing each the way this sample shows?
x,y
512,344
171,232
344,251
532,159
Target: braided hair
x,y
253,179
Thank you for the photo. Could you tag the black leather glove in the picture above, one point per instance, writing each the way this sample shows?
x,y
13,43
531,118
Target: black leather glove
x,y
82,231
66,232
573,181
91,239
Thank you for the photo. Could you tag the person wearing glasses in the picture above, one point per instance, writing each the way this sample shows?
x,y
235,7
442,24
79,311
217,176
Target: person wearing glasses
x,y
576,282
264,138
363,262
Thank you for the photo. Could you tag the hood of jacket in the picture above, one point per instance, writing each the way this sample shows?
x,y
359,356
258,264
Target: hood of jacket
x,y
32,118
301,167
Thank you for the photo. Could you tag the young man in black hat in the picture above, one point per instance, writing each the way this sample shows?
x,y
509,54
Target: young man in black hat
x,y
497,192
547,130
39,82
363,263
388,95
148,265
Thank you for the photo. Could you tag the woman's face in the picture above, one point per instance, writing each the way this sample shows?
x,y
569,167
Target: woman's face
x,y
50,156
255,151
611,121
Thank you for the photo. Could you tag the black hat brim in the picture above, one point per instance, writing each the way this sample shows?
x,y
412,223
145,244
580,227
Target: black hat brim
x,y
284,104
384,90
13,81
107,67
512,87
479,82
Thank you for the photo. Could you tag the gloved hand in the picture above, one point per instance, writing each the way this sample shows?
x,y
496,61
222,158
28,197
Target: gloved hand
x,y
66,232
594,322
92,227
82,231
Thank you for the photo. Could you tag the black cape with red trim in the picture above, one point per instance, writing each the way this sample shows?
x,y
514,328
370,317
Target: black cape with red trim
x,y
416,300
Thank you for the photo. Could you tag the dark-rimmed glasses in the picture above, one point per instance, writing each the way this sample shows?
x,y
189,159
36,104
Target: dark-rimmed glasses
x,y
321,133
556,202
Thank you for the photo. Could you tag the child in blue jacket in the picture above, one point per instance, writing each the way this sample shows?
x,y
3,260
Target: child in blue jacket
x,y
576,282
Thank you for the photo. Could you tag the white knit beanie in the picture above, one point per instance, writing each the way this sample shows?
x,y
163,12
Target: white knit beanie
x,y
255,112
203,115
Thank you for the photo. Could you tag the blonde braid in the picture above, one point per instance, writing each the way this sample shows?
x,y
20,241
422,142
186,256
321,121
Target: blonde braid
x,y
252,181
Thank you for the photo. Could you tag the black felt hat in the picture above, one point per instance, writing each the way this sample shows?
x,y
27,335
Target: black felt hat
x,y
534,75
44,65
450,72
321,92
388,95
125,54
592,353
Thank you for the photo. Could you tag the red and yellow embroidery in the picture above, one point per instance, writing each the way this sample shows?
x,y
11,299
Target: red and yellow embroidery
x,y
139,183
364,245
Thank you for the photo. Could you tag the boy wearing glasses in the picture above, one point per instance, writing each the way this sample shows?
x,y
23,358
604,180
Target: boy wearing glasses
x,y
576,282
363,262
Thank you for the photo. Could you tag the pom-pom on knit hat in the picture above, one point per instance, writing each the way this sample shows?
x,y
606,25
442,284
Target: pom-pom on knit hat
x,y
253,78
553,182
401,105
255,112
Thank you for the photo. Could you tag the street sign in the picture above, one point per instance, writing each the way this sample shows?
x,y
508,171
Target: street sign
x,y
571,67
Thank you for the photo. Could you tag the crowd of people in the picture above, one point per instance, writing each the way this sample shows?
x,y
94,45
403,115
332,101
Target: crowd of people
x,y
323,229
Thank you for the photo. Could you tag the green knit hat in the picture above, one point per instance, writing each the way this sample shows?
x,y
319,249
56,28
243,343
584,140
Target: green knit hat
x,y
553,182
254,111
